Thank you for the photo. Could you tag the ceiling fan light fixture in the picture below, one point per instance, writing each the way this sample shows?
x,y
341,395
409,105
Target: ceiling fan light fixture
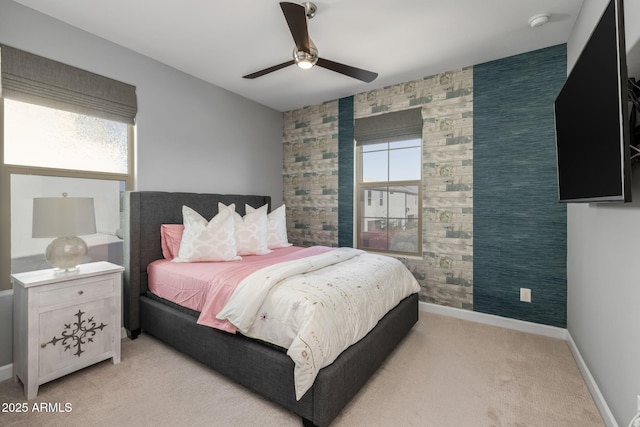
x,y
304,64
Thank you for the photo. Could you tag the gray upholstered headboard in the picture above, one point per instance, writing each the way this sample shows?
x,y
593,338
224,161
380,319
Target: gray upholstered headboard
x,y
144,212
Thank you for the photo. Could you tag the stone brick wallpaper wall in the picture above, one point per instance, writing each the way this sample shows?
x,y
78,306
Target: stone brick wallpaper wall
x,y
310,174
445,271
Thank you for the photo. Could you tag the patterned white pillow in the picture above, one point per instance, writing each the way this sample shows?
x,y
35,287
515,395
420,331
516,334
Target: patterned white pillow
x,y
251,231
207,241
276,227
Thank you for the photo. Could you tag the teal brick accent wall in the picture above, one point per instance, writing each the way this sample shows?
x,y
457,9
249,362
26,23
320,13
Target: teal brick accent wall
x,y
345,171
519,226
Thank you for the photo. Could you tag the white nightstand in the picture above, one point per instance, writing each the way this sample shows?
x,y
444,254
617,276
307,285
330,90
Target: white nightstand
x,y
65,321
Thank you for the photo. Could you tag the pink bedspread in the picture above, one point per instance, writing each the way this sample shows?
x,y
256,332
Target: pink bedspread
x,y
207,286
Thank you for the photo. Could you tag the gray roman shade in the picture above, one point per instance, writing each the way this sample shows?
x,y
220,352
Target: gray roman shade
x,y
37,80
388,127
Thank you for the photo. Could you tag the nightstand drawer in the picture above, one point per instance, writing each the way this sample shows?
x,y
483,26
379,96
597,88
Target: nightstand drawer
x,y
81,291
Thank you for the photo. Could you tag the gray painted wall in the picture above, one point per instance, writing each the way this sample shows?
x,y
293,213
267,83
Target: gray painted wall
x,y
602,264
6,327
190,135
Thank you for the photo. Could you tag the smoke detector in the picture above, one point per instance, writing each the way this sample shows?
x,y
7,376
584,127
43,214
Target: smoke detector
x,y
539,20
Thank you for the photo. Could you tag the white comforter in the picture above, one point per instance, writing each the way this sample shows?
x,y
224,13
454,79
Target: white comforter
x,y
318,306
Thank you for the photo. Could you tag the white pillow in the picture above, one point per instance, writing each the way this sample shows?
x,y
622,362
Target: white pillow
x,y
207,241
276,227
251,231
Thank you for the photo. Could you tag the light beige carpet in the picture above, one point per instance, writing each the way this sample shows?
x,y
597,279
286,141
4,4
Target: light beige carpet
x,y
447,372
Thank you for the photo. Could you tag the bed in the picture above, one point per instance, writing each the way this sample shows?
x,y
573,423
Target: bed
x,y
259,366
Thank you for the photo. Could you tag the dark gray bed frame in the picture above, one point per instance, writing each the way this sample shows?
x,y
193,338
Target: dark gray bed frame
x,y
262,368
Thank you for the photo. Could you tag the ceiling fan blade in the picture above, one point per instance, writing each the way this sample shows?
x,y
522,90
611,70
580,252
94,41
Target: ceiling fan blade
x,y
268,70
347,70
296,16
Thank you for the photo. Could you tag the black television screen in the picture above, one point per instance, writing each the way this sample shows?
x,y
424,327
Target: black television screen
x,y
592,121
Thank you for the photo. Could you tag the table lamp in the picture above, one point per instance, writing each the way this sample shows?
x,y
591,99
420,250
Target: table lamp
x,y
64,218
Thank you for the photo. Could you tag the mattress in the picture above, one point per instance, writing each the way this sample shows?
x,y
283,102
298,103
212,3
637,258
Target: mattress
x,y
205,287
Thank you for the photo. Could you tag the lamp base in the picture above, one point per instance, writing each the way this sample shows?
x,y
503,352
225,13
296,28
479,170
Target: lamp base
x,y
66,253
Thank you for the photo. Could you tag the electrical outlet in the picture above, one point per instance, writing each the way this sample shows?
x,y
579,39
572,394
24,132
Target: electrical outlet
x,y
525,294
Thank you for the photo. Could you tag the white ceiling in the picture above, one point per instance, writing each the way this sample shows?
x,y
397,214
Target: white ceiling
x,y
401,40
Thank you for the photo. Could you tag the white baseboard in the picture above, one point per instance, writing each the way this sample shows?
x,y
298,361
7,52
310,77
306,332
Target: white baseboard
x,y
493,320
605,412
6,372
533,328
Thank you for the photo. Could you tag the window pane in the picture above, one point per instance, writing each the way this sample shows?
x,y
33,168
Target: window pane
x,y
403,238
391,225
375,166
27,253
375,209
405,164
373,234
45,137
373,227
403,219
375,147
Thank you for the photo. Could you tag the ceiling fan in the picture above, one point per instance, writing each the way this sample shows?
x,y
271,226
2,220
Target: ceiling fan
x,y
305,53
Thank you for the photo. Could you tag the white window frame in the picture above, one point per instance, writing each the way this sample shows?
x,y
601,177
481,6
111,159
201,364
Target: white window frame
x,y
363,188
7,170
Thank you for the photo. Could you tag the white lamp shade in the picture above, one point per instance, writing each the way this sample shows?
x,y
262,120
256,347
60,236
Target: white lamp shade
x,y
63,216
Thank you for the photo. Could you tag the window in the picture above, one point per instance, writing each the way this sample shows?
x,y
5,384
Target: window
x,y
105,245
389,163
392,169
62,129
48,152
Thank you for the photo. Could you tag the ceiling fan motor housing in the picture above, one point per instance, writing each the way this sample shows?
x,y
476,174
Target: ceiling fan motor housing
x,y
306,59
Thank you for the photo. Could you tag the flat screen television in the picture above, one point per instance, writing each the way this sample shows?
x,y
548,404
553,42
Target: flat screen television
x,y
592,119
